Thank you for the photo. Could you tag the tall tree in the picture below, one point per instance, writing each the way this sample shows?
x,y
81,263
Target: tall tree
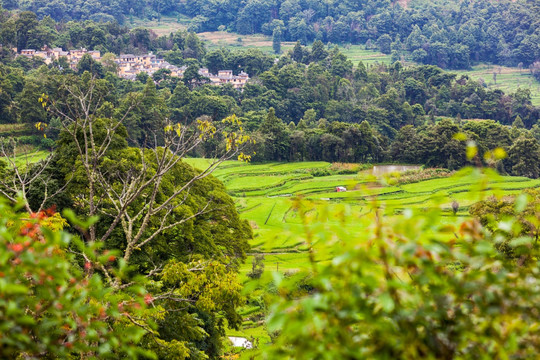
x,y
87,63
276,40
524,157
318,52
518,123
276,144
170,222
25,25
297,53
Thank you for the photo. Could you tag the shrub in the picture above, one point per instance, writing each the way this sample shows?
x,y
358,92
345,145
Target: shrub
x,y
29,140
257,267
50,306
516,213
413,176
348,168
319,172
46,144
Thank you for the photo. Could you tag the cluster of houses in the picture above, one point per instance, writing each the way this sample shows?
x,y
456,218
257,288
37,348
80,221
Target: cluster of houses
x,y
131,65
48,55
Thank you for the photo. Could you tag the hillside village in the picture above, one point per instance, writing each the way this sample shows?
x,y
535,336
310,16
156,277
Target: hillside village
x,y
130,65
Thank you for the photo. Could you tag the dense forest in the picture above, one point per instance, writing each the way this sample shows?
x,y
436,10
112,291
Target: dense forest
x,y
25,30
312,104
449,34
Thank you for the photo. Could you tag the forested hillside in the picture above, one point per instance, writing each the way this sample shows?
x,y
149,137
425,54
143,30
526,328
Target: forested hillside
x,y
449,34
26,30
312,104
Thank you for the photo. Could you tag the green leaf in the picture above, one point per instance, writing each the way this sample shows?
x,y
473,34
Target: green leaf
x,y
520,241
72,217
521,202
387,303
460,136
472,150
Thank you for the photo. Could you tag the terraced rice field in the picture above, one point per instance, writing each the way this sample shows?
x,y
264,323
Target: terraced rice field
x,y
267,196
230,40
29,157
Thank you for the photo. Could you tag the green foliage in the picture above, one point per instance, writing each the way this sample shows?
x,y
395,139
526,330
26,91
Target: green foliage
x,y
384,43
31,110
366,112
194,329
276,40
276,143
335,113
510,215
257,267
441,34
216,234
53,303
524,157
518,123
87,63
190,238
24,30
409,286
438,33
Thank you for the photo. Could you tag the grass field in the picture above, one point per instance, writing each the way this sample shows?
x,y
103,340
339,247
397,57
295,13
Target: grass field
x,y
29,157
228,40
358,52
266,195
165,26
507,79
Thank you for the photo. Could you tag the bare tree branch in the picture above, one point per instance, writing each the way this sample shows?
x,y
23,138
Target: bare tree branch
x,y
133,198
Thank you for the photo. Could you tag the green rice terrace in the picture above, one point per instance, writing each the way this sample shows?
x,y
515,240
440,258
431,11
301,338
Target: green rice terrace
x,y
267,196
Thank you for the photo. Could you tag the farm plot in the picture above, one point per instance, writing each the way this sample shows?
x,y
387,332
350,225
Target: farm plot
x,y
266,195
30,157
164,26
507,79
270,195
